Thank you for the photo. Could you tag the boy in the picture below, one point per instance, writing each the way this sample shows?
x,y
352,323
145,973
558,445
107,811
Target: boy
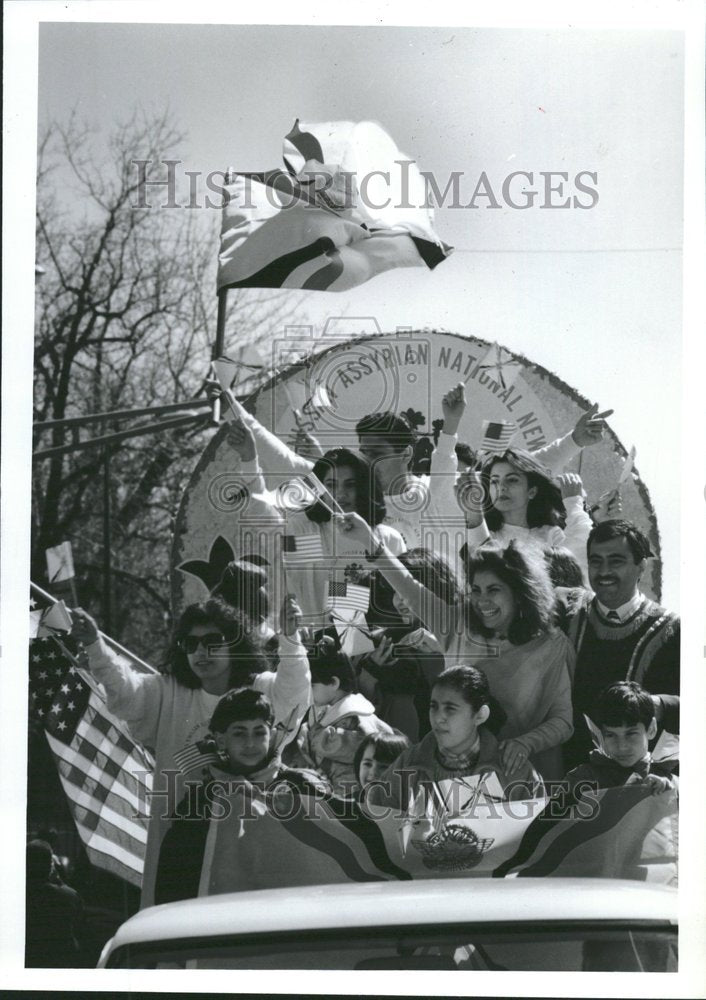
x,y
245,743
339,720
625,715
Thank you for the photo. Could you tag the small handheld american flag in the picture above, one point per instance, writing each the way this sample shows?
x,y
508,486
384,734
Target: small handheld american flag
x,y
301,550
497,435
347,598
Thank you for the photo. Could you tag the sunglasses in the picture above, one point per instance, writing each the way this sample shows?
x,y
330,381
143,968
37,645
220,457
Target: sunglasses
x,y
190,643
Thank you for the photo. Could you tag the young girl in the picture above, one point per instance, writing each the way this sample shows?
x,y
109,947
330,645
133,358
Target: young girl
x,y
213,650
521,502
458,746
375,754
399,673
350,481
505,625
338,721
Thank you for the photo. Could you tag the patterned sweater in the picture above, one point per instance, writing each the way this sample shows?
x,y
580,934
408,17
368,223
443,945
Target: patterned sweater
x,y
645,649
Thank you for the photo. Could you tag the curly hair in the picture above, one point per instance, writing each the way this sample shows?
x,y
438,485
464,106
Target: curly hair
x,y
546,507
527,577
564,568
369,502
245,649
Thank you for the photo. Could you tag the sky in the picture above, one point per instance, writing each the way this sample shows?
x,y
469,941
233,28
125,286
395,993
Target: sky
x,y
593,295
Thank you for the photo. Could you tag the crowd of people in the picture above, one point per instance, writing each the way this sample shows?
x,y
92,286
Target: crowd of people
x,y
500,614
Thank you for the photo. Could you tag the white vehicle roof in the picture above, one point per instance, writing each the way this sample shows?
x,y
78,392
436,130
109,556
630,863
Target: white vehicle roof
x,y
381,904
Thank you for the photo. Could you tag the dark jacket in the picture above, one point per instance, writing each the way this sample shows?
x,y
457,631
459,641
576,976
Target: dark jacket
x,y
604,772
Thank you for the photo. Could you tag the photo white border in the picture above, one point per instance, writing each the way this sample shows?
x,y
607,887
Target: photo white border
x,y
20,125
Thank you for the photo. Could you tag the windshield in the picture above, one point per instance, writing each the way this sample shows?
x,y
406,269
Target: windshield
x,y
600,946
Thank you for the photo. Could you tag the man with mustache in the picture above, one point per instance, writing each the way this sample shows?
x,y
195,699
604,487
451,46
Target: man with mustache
x,y
618,633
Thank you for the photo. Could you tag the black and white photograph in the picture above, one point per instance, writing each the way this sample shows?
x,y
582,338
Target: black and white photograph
x,y
353,499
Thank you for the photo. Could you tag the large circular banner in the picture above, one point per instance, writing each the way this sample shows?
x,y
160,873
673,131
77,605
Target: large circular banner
x,y
409,373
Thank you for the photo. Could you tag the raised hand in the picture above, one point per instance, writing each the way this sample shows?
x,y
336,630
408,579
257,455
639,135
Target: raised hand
x,y
383,654
590,426
609,507
83,628
355,528
291,615
241,439
306,445
570,484
453,406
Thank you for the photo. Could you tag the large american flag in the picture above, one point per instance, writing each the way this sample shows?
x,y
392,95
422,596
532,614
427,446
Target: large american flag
x,y
106,775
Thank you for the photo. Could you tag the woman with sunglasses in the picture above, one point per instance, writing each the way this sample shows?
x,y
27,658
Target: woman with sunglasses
x,y
214,649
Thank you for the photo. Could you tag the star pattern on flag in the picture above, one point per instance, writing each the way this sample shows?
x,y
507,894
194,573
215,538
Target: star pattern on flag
x,y
55,693
106,776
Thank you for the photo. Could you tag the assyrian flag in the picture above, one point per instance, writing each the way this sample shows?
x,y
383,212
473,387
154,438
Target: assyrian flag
x,y
106,776
501,366
301,550
624,832
347,599
292,839
497,435
317,224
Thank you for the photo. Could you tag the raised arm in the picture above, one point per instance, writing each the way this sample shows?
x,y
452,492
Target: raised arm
x,y
587,431
578,521
438,617
132,696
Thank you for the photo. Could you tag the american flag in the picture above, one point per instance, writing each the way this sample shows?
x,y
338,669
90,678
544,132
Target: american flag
x,y
301,550
197,755
106,776
497,435
347,598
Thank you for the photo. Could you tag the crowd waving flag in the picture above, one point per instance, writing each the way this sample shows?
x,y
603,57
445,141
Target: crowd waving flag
x,y
349,205
105,775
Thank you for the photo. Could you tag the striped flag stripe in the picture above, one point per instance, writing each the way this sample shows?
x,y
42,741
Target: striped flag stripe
x,y
113,811
312,833
109,840
549,840
366,835
90,826
579,834
113,857
127,788
131,804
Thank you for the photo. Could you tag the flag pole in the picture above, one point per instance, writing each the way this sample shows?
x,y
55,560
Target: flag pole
x,y
219,347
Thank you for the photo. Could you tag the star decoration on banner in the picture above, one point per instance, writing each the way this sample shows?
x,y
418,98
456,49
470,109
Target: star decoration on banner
x,y
501,366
